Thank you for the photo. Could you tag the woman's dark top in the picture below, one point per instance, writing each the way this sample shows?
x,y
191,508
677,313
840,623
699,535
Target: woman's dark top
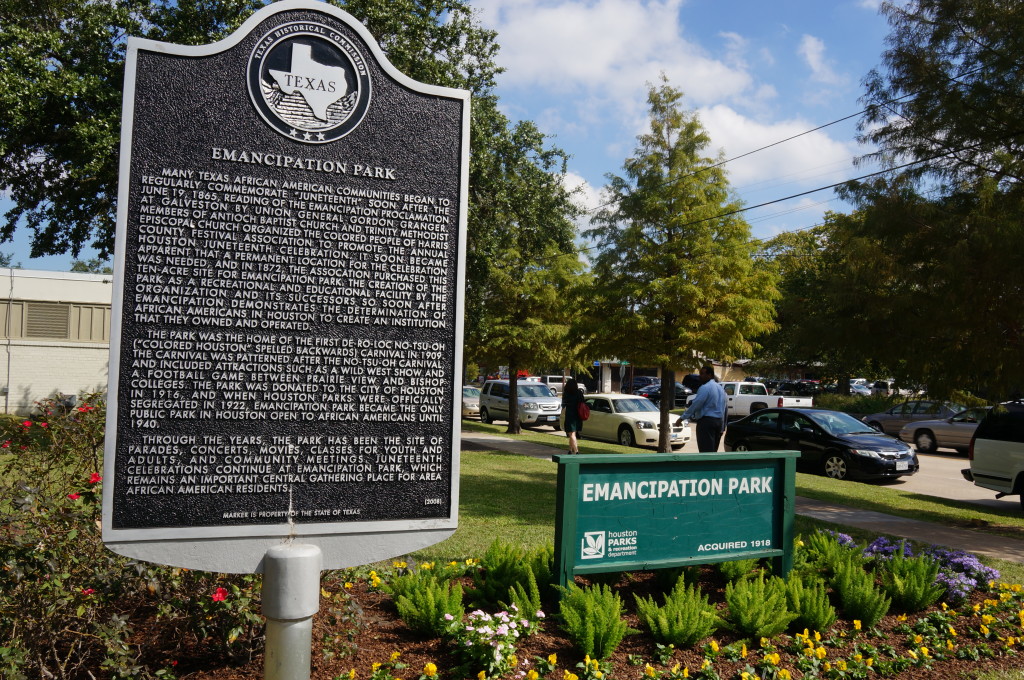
x,y
571,403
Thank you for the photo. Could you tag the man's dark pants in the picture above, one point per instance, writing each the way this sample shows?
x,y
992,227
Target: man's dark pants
x,y
709,434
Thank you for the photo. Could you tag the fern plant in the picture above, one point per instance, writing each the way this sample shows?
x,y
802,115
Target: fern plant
x,y
808,598
824,553
859,597
592,618
910,581
525,600
685,619
502,567
737,569
424,604
758,607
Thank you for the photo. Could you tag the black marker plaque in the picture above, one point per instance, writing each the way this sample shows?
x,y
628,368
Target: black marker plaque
x,y
288,328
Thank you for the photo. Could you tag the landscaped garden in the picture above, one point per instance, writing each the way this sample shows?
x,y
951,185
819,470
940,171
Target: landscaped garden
x,y
478,605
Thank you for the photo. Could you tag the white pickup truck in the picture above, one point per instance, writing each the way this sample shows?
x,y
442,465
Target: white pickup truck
x,y
744,398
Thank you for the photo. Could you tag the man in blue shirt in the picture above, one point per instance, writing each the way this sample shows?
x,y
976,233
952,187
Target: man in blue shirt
x,y
708,411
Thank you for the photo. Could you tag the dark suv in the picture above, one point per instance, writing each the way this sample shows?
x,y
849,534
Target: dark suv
x,y
997,451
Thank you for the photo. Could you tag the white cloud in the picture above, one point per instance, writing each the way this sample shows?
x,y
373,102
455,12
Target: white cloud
x,y
608,48
813,51
812,159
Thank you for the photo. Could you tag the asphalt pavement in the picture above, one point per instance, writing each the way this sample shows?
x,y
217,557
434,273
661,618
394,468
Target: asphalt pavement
x,y
976,542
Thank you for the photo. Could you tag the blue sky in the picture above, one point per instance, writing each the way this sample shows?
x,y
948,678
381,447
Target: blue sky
x,y
757,71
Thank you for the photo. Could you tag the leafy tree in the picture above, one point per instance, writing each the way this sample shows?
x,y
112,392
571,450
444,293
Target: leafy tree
x,y
529,271
818,308
676,281
934,256
93,266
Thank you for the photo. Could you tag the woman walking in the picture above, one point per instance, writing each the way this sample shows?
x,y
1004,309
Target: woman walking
x,y
572,397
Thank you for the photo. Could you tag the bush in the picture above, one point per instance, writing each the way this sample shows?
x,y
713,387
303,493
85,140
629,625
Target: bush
x,y
503,566
859,598
910,581
737,569
809,600
758,607
685,619
427,605
592,618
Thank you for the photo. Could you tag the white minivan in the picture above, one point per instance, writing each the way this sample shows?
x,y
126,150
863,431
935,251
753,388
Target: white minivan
x,y
536,405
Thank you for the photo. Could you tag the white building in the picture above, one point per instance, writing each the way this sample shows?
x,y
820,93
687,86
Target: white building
x,y
56,335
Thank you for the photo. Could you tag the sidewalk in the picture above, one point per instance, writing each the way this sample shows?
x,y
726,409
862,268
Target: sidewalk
x,y
998,547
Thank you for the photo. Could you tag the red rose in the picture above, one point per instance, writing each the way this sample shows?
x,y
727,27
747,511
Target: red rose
x,y
74,496
87,591
219,595
95,477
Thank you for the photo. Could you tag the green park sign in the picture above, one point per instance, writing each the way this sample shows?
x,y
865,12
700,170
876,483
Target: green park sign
x,y
629,512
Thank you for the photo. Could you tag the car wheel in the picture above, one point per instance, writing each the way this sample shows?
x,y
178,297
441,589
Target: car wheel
x,y
740,446
835,466
626,437
485,416
877,425
925,442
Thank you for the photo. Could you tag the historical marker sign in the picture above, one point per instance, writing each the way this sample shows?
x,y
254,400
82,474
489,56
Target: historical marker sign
x,y
287,331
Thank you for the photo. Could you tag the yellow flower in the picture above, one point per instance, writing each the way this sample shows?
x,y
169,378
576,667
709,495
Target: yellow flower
x,y
841,664
870,662
714,647
988,619
743,651
532,674
394,656
799,543
817,636
595,664
375,666
352,674
952,631
569,676
430,670
984,629
918,639
821,652
482,675
912,655
856,624
765,643
858,657
649,670
705,665
949,645
552,659
348,584
745,676
903,617
427,566
325,593
976,608
686,672
827,666
399,565
925,653
453,563
944,606
783,674
598,675
773,658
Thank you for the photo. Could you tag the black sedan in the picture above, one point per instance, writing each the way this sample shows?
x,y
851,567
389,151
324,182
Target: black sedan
x,y
833,443
653,392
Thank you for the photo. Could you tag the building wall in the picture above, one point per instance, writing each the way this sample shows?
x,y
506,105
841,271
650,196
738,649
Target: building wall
x,y
54,335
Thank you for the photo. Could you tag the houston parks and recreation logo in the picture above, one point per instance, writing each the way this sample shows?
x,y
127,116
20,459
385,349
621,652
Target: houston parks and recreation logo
x,y
599,544
309,82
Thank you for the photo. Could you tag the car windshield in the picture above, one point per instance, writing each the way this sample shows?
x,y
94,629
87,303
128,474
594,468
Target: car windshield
x,y
534,390
638,405
470,392
837,423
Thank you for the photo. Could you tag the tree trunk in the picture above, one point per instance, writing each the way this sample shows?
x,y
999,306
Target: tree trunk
x,y
513,400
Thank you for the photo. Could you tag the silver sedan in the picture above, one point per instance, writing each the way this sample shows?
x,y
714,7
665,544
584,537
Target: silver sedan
x,y
954,432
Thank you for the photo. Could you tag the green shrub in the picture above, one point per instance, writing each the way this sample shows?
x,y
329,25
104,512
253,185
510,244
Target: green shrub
x,y
809,599
825,551
685,619
525,599
910,581
858,596
424,603
758,607
502,567
737,569
592,618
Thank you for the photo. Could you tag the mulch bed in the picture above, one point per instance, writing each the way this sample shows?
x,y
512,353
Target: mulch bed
x,y
381,633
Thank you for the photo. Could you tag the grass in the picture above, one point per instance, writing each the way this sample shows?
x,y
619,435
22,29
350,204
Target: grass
x,y
513,496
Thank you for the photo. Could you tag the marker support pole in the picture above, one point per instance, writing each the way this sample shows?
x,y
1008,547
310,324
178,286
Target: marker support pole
x,y
291,596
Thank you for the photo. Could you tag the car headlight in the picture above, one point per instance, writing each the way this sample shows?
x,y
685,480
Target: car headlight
x,y
645,424
530,406
868,453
